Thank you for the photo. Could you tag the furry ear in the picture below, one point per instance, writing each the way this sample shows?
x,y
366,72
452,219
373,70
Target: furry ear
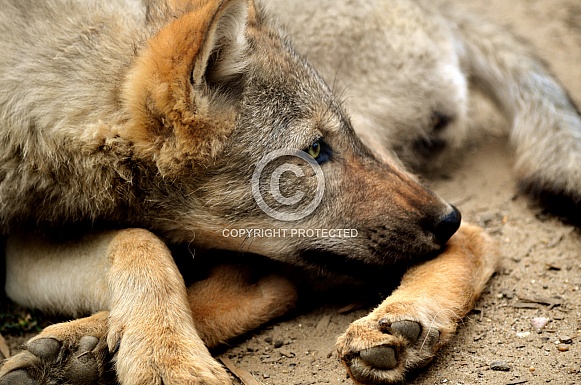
x,y
223,55
169,91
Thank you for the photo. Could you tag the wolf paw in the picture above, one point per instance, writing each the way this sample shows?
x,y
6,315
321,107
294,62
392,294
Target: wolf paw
x,y
47,360
89,351
382,351
149,355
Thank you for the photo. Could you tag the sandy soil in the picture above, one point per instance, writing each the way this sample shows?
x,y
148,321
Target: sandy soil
x,y
540,258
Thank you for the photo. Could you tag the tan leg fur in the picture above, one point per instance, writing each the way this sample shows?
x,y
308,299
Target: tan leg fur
x,y
149,326
412,324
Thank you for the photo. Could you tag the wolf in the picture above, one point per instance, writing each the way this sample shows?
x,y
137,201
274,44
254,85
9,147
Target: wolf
x,y
129,127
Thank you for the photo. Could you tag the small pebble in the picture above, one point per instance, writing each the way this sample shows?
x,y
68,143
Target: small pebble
x,y
278,343
562,348
565,339
500,366
539,323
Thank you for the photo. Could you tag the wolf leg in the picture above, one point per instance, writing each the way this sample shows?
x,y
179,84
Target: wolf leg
x,y
227,304
224,306
411,325
149,326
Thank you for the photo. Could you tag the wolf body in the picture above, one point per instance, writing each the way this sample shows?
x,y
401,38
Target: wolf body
x,y
146,119
404,69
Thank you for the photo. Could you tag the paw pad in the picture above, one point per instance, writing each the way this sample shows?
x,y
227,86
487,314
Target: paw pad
x,y
83,367
87,343
49,361
17,377
380,357
410,330
47,349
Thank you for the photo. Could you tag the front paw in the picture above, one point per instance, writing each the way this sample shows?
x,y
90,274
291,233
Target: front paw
x,y
149,353
382,351
95,351
61,355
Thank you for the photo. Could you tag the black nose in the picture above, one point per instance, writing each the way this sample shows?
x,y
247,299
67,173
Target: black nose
x,y
447,226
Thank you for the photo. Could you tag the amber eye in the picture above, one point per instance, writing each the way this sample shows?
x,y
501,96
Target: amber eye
x,y
315,149
319,151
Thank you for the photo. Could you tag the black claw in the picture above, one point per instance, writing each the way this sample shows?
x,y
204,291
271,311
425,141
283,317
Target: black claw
x,y
410,330
47,349
116,347
380,357
17,377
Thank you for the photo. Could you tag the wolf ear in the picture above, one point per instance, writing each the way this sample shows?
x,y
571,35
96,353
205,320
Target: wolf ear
x,y
173,117
223,55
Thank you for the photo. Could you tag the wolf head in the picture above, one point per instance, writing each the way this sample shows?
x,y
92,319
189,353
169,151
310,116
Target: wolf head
x,y
242,133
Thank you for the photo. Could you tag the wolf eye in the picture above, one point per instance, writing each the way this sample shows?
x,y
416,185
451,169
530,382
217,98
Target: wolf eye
x,y
320,151
315,149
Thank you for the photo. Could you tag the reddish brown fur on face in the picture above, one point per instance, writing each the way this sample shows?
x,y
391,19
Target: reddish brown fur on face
x,y
392,193
402,190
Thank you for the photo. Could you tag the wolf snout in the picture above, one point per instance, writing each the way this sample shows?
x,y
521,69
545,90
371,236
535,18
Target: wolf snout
x,y
447,225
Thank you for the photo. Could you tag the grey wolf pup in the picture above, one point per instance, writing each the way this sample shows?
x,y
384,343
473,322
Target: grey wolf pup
x,y
146,119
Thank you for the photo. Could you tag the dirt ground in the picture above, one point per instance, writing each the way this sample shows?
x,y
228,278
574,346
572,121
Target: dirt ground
x,y
541,273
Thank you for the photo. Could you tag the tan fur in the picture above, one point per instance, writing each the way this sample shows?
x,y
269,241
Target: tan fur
x,y
226,305
157,91
437,294
140,292
154,118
